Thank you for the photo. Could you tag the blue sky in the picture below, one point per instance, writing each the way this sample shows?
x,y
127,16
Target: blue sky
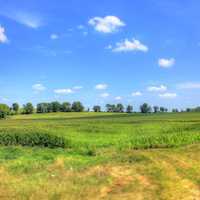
x,y
98,52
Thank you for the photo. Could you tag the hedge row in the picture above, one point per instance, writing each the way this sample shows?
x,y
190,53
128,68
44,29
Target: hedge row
x,y
32,139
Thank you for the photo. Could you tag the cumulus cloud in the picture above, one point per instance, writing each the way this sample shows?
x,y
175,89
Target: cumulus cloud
x,y
54,36
63,91
168,95
161,88
3,37
166,63
104,95
108,24
38,87
138,93
129,45
101,86
189,85
118,98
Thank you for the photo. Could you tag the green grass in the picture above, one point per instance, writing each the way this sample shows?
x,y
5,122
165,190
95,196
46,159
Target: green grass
x,y
107,156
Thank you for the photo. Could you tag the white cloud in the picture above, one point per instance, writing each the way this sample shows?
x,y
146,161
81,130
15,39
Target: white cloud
x,y
104,95
26,18
38,87
118,98
138,93
101,86
168,95
63,91
108,24
166,63
54,36
3,37
129,45
77,87
189,85
161,88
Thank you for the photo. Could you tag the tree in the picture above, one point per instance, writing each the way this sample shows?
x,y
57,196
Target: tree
x,y
77,106
97,108
119,108
188,110
175,110
165,110
145,108
156,109
66,107
15,107
4,111
42,108
49,107
56,107
28,108
129,109
162,109
108,107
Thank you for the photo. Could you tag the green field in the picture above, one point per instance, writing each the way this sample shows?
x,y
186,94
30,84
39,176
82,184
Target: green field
x,y
107,156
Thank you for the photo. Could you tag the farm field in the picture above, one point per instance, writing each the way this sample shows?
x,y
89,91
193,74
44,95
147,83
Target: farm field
x,y
106,156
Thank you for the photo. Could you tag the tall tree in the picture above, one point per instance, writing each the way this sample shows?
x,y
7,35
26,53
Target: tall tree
x,y
56,106
162,109
129,109
66,107
145,108
119,108
77,106
28,108
15,107
42,108
156,109
97,108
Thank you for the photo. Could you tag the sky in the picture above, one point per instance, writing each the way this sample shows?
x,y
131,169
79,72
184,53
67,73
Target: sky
x,y
100,51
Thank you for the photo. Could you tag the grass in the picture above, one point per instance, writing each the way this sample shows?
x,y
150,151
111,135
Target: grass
x,y
108,156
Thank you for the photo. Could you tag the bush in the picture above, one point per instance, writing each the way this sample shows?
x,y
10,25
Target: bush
x,y
4,110
32,139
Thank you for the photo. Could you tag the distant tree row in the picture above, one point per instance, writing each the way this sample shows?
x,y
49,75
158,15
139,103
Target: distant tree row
x,y
77,106
114,108
56,106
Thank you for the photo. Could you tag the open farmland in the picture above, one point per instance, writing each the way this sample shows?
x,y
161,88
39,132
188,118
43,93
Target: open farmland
x,y
106,156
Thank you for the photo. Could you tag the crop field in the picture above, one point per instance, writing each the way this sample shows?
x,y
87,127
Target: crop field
x,y
101,156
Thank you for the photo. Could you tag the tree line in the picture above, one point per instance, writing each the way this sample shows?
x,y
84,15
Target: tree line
x,y
77,106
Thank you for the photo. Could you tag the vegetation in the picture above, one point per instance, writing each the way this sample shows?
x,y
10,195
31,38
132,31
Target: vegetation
x,y
32,139
95,158
4,110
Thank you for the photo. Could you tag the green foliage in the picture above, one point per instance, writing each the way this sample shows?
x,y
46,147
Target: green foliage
x,y
42,108
4,110
56,106
97,108
15,107
66,107
119,108
28,108
32,139
77,106
156,109
129,109
145,108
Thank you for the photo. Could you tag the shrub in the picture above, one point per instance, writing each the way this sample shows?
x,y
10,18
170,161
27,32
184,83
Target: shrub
x,y
4,110
32,139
